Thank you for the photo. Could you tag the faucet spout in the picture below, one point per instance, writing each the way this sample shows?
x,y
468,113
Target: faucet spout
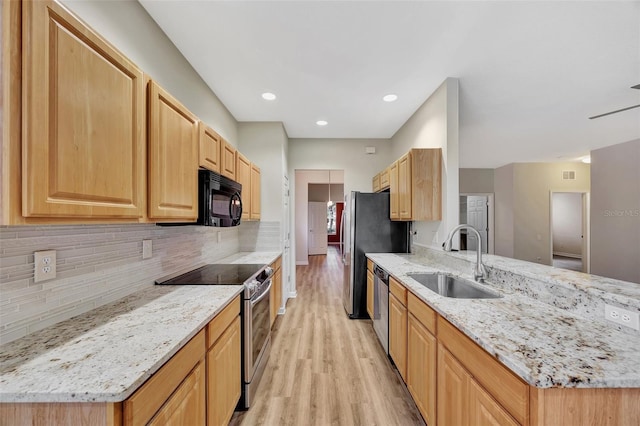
x,y
479,271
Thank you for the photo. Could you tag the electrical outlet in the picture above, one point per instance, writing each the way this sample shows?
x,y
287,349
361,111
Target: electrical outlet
x,y
44,264
622,316
147,249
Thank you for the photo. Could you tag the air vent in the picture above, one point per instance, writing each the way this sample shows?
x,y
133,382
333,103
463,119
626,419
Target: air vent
x,y
568,175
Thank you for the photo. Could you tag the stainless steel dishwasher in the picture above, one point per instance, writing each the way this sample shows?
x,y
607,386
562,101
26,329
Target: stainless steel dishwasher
x,y
381,307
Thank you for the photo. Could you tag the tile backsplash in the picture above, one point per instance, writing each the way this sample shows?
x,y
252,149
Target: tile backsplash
x,y
98,264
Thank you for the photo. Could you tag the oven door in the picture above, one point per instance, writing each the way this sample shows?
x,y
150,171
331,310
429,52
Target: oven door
x,y
257,330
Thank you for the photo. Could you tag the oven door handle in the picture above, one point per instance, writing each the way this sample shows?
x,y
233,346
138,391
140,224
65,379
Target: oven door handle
x,y
266,292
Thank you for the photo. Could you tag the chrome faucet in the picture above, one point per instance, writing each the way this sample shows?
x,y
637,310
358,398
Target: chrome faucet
x,y
479,272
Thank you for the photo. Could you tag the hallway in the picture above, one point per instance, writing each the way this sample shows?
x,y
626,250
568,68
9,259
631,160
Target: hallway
x,y
326,369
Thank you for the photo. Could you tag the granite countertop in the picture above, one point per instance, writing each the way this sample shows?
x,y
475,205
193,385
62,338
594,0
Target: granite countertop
x,y
542,344
107,353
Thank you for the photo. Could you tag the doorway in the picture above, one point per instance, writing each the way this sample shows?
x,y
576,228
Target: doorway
x,y
477,211
570,231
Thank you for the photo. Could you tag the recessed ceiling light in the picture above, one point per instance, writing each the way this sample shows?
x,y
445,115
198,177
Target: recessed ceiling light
x,y
587,159
321,123
268,96
390,97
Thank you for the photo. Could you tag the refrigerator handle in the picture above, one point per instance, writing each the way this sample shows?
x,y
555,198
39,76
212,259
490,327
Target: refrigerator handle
x,y
342,235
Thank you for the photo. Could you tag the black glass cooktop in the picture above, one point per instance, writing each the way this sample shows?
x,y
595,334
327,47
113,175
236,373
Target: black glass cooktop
x,y
218,273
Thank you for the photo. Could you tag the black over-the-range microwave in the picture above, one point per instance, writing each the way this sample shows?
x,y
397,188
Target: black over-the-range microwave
x,y
219,200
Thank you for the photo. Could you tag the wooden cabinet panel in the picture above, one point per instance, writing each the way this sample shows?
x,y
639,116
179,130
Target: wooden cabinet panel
x,y
398,290
209,152
140,407
255,193
484,410
384,179
404,187
453,391
398,335
228,160
422,349
223,376
375,183
426,184
243,177
370,293
394,191
276,294
508,389
187,404
83,145
422,312
173,158
220,322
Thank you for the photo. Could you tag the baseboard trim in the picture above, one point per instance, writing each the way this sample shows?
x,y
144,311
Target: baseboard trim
x,y
302,262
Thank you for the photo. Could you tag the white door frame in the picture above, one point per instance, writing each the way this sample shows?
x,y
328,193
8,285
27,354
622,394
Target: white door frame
x,y
586,228
490,220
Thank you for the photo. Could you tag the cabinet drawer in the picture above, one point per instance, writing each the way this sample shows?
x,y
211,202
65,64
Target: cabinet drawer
x,y
398,290
422,312
220,322
370,265
148,399
511,392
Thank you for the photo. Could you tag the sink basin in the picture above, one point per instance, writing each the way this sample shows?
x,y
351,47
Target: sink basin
x,y
450,286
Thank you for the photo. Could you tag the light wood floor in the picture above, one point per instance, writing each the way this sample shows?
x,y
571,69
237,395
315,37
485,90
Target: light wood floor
x,y
326,369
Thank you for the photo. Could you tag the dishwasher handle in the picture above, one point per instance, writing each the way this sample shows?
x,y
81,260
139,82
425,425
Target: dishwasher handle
x,y
381,274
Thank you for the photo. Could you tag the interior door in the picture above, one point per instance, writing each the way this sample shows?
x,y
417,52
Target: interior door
x,y
477,214
317,228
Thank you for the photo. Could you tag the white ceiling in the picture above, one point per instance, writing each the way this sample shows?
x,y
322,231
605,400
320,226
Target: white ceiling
x,y
530,72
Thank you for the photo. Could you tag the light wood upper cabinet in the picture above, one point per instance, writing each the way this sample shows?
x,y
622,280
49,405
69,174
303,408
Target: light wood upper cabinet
x,y
210,145
404,187
375,183
384,179
173,158
394,190
255,207
83,139
228,160
243,177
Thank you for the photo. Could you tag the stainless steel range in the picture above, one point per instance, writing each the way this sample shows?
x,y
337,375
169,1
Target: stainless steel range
x,y
256,326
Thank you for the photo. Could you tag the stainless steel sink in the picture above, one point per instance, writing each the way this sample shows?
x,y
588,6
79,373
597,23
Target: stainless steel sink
x,y
450,286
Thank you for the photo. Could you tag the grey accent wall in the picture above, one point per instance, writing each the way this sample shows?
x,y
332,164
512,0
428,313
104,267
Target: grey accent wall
x,y
476,181
615,211
96,264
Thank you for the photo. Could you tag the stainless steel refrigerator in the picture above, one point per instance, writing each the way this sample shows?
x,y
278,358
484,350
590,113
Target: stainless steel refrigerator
x,y
366,228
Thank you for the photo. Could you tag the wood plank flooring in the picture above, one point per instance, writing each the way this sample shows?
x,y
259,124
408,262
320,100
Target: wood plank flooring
x,y
326,369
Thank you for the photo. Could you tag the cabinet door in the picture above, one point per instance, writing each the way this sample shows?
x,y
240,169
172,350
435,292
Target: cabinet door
x,y
173,158
243,177
398,334
422,349
83,121
453,390
255,193
223,376
187,404
370,294
384,179
375,183
484,410
404,187
394,192
209,152
228,160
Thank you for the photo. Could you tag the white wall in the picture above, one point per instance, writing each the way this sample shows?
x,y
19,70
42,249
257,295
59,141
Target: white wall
x,y
478,181
503,230
567,224
128,27
615,211
435,125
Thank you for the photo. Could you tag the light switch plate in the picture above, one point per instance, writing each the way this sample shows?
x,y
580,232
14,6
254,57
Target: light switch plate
x,y
147,249
44,265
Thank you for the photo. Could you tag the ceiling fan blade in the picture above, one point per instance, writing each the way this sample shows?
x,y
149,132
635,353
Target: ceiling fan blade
x,y
614,112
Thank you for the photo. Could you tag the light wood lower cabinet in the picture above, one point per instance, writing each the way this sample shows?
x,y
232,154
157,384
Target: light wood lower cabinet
x,y
223,376
370,293
398,326
186,405
276,289
453,389
422,349
484,410
176,384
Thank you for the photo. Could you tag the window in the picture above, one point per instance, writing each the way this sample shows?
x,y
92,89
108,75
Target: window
x,y
331,218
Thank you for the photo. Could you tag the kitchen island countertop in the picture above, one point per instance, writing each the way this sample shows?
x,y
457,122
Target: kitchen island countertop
x,y
542,344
